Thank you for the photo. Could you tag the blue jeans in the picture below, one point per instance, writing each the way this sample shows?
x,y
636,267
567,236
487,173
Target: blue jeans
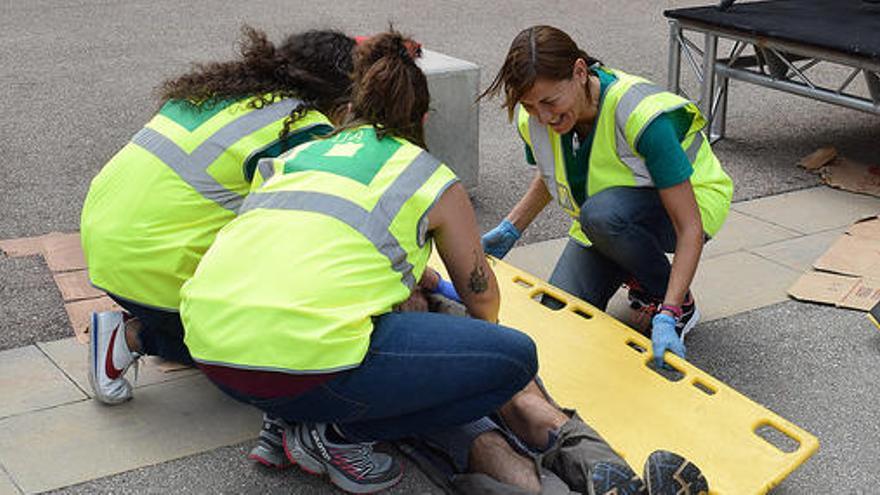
x,y
631,234
423,372
161,331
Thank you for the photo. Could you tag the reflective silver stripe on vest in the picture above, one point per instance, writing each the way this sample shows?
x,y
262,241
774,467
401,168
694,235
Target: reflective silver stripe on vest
x,y
374,225
193,167
694,149
266,169
542,150
625,107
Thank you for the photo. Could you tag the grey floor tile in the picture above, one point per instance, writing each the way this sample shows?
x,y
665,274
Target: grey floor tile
x,y
800,253
811,210
86,440
30,381
538,258
7,487
740,281
742,231
72,357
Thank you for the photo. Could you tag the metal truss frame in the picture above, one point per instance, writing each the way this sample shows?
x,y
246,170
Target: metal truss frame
x,y
776,64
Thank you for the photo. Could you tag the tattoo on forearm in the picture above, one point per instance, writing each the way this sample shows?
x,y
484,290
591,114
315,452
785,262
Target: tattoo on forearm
x,y
478,282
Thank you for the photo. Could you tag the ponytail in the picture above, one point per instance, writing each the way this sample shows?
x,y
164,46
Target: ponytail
x,y
390,90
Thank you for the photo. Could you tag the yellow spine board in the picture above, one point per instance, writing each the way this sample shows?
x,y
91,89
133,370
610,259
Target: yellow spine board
x,y
596,364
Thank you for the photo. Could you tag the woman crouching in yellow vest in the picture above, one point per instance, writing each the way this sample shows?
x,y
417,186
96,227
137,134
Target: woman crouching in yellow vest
x,y
630,164
153,210
291,309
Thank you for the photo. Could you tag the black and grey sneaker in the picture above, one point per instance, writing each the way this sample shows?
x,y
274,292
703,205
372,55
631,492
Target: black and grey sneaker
x,y
269,450
608,478
645,308
690,316
353,467
667,473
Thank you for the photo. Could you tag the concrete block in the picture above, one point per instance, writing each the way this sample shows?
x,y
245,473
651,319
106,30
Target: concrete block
x,y
72,358
810,211
87,440
29,382
452,130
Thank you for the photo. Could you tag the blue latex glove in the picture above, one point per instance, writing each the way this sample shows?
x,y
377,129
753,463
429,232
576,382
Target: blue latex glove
x,y
447,290
499,240
664,338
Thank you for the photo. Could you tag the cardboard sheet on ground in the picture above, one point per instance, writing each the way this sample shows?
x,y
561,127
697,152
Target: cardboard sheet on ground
x,y
848,274
590,361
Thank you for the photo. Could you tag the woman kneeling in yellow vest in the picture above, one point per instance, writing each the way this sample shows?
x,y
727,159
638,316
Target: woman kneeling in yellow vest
x,y
629,163
292,308
154,209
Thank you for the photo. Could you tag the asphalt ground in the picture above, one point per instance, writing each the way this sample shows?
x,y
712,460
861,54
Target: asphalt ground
x,y
77,78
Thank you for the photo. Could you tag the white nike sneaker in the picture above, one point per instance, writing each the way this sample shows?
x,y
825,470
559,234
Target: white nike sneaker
x,y
110,358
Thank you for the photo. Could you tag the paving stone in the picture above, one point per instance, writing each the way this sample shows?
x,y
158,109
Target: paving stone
x,y
29,381
75,286
810,211
80,314
800,253
87,440
740,281
72,357
63,252
742,231
23,246
7,487
539,258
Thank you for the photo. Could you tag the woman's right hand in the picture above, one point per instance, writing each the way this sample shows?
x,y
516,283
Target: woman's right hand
x,y
501,239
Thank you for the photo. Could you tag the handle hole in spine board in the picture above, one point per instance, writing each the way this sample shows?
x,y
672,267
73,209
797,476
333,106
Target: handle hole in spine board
x,y
636,347
582,313
523,283
548,300
777,438
667,371
705,388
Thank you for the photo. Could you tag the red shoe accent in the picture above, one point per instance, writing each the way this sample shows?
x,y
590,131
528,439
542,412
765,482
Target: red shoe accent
x,y
112,371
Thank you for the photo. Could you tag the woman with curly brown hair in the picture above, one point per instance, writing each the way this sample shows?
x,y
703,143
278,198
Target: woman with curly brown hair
x,y
155,208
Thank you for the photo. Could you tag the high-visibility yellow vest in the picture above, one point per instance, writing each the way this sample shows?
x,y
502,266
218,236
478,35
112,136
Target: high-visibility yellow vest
x,y
154,209
629,105
336,235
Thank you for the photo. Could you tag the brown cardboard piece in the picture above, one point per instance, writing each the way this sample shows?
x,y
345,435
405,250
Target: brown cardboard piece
x,y
843,173
853,176
819,158
848,274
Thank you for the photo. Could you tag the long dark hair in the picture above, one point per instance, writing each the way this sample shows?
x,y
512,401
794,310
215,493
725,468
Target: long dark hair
x,y
390,90
313,66
536,52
